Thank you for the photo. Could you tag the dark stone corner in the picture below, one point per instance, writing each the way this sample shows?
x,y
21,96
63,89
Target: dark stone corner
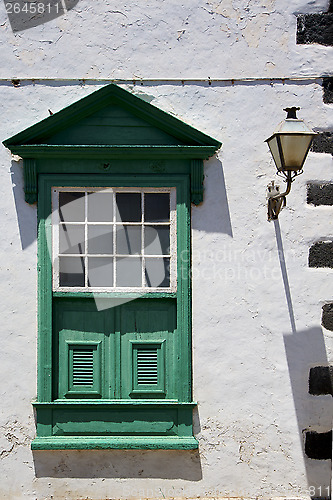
x,y
318,445
328,87
315,28
321,254
320,194
321,380
323,142
327,316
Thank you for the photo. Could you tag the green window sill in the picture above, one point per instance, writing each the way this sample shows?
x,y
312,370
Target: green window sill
x,y
110,424
114,442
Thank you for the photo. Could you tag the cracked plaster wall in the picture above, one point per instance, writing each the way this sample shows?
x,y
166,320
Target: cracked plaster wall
x,y
237,39
251,408
252,404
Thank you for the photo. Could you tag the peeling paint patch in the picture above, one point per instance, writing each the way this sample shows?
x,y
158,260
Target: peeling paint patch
x,y
13,435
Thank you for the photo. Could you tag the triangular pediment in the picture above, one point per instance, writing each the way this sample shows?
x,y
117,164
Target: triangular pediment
x,y
111,116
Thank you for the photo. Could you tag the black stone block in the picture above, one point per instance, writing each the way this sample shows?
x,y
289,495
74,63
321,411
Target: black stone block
x,y
323,143
321,380
321,254
318,445
320,194
327,316
328,88
315,28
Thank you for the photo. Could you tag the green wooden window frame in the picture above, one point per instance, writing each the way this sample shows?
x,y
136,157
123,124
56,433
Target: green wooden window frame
x,y
112,138
63,419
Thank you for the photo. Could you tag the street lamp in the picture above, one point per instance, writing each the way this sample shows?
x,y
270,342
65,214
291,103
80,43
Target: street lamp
x,y
289,146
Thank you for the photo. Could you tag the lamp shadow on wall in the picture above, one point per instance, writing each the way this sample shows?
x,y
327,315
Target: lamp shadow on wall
x,y
214,214
305,349
158,464
26,214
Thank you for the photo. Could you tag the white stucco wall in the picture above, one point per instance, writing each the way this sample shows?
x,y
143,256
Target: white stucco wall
x,y
256,304
186,39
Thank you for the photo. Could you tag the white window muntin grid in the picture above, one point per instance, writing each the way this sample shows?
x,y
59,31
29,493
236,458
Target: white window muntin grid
x,y
114,223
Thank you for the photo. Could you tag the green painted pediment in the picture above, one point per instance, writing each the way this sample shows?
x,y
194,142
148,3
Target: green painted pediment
x,y
111,116
105,129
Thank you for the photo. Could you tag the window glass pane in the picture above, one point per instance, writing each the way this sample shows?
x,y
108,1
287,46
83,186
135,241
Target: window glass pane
x,y
71,271
71,206
71,238
128,207
128,240
157,207
100,271
157,272
129,271
157,240
100,239
100,207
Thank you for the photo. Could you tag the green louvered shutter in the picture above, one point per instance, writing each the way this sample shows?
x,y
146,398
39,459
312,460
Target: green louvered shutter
x,y
82,367
147,366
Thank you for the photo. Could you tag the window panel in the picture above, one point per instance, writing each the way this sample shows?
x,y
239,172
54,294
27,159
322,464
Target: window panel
x,y
71,271
129,272
71,206
129,207
157,207
100,207
94,229
71,238
100,239
157,272
100,272
128,240
157,240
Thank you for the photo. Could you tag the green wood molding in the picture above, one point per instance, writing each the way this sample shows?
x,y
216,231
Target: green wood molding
x,y
114,295
197,177
44,293
85,131
102,98
116,442
112,152
30,180
115,403
163,425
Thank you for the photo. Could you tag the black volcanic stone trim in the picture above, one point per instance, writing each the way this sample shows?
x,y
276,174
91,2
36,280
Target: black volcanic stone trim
x,y
327,316
321,380
321,254
318,445
328,86
320,194
323,143
315,28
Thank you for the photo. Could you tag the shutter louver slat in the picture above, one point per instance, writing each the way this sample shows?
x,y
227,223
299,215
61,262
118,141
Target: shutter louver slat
x,y
147,372
83,367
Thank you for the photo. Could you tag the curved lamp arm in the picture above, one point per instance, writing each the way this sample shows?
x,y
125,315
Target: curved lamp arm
x,y
276,202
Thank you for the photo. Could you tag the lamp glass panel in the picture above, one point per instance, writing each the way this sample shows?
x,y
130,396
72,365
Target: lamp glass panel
x,y
273,146
294,148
